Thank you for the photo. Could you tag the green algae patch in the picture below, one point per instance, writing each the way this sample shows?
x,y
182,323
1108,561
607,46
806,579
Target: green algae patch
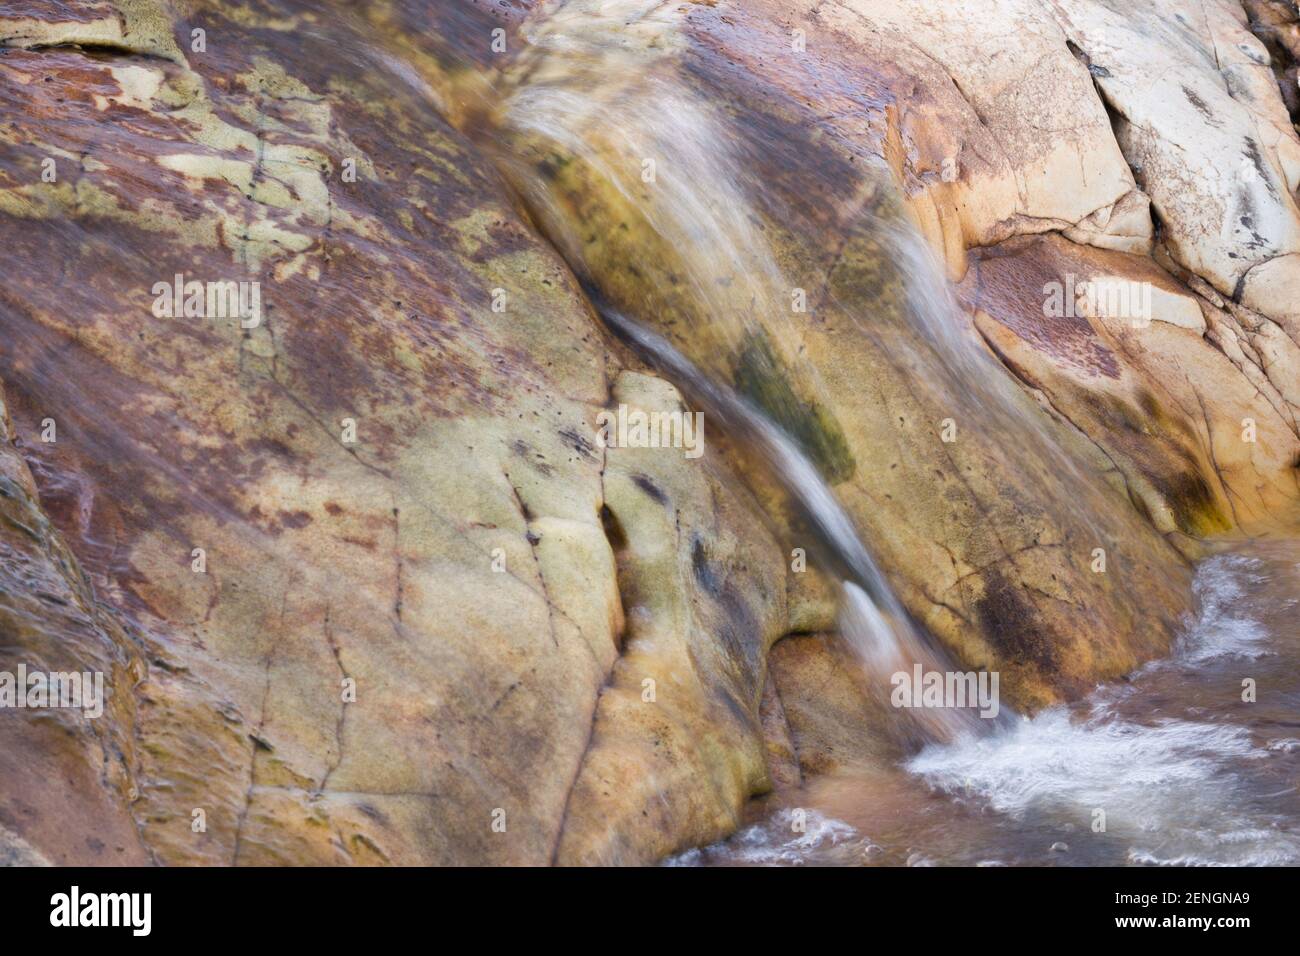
x,y
760,377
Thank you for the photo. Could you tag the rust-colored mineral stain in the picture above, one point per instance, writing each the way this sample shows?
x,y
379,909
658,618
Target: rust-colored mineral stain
x,y
800,101
1012,285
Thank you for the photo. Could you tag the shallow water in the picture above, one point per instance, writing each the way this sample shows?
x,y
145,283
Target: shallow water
x,y
1170,766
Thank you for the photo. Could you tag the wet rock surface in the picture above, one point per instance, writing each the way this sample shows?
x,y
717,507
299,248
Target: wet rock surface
x,y
365,587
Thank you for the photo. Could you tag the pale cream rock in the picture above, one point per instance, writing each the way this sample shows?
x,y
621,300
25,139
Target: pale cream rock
x,y
1199,115
1011,143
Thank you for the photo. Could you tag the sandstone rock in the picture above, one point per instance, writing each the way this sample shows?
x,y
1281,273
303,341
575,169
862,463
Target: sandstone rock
x,y
1198,113
326,561
15,851
831,718
395,487
782,759
970,531
67,776
677,744
1001,145
427,601
1165,405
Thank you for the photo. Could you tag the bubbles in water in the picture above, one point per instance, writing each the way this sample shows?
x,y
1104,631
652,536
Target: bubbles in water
x,y
1183,772
1099,762
789,837
1178,791
1223,624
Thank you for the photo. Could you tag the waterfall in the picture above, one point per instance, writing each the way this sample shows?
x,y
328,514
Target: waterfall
x,y
595,91
873,622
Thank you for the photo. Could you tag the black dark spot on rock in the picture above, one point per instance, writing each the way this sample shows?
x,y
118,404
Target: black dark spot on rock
x,y
1251,152
1195,507
1011,622
294,519
650,488
741,633
613,529
532,456
1201,106
579,443
703,570
738,710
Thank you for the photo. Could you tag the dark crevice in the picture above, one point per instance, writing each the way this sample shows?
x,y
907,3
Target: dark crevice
x,y
99,49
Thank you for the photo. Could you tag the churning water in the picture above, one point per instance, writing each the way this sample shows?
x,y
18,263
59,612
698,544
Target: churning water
x,y
1171,766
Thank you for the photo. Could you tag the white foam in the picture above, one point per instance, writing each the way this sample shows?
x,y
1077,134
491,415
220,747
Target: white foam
x,y
1223,625
1099,762
1174,790
776,842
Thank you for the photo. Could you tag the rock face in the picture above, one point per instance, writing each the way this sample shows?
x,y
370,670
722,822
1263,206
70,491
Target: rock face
x,y
1162,395
819,702
995,146
1199,115
703,582
363,582
792,280
67,778
389,644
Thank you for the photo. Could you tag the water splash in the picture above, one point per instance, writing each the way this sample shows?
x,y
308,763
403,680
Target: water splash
x,y
1170,767
872,620
787,838
1224,625
1189,783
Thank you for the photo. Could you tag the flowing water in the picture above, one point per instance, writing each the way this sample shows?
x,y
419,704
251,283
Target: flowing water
x,y
1169,766
872,620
